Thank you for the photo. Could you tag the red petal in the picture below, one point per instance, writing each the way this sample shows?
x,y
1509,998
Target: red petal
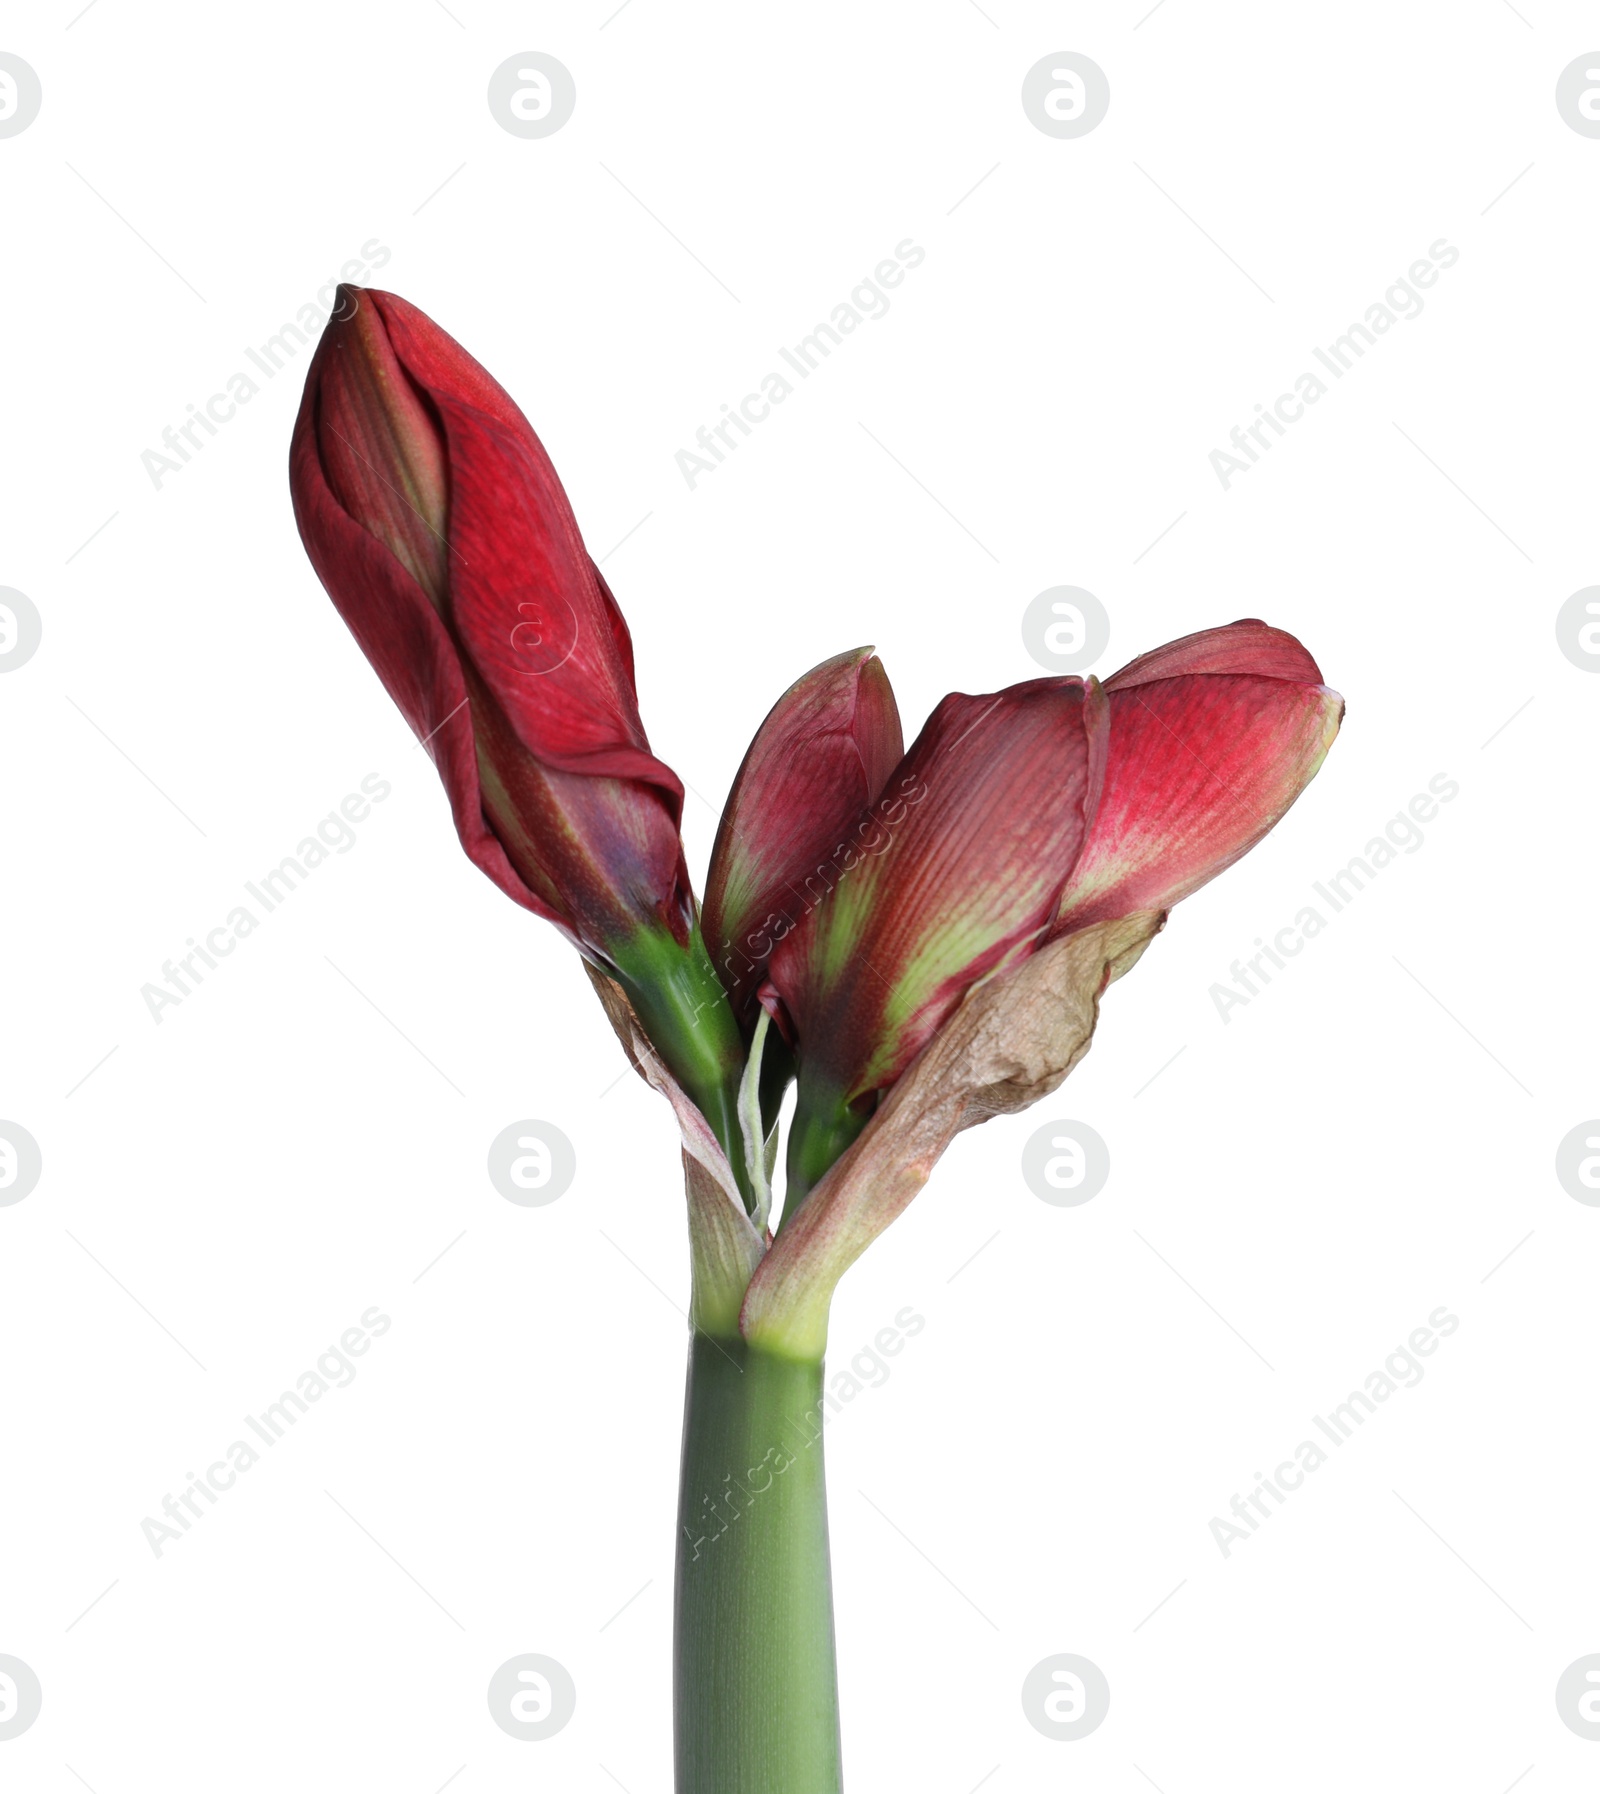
x,y
380,448
975,835
404,637
527,603
817,761
1199,768
1249,646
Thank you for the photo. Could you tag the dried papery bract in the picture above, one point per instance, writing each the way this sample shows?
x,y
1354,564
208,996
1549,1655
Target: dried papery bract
x,y
1012,1041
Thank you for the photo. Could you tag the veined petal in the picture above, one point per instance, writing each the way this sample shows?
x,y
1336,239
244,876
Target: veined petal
x,y
381,449
821,756
1212,738
403,635
973,839
1248,646
543,633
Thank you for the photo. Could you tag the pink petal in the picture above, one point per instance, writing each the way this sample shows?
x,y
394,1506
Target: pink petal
x,y
1199,768
1249,646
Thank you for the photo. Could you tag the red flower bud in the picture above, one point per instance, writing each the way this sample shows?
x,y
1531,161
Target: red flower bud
x,y
435,520
1040,811
823,754
972,840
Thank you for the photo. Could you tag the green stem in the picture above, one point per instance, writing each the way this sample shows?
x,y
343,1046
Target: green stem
x,y
756,1695
681,1003
824,1127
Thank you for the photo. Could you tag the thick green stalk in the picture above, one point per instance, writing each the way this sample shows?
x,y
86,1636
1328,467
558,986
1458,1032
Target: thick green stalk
x,y
756,1695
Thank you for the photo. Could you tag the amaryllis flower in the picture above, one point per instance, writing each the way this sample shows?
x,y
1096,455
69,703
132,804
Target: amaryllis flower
x,y
1045,808
433,516
923,936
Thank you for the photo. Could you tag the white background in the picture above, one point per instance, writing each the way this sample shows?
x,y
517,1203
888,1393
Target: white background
x,y
301,1138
